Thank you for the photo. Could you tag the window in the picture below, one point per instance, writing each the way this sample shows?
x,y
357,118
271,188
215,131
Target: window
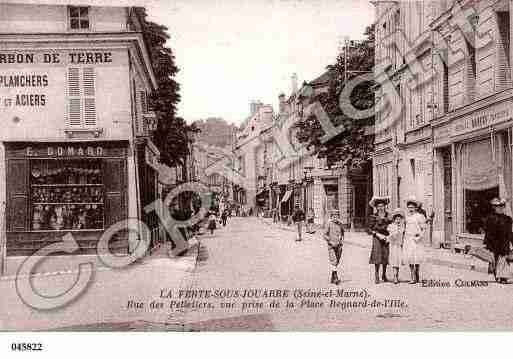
x,y
78,17
66,195
81,97
445,86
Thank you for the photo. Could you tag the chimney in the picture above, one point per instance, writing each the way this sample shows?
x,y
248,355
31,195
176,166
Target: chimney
x,y
282,103
294,83
254,106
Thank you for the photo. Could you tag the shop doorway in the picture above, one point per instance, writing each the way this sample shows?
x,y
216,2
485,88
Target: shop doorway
x,y
359,205
477,208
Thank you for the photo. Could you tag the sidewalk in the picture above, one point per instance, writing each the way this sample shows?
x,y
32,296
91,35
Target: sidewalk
x,y
442,257
69,264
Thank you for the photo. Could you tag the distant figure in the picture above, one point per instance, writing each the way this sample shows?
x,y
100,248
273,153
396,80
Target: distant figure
x,y
212,222
310,221
298,217
224,217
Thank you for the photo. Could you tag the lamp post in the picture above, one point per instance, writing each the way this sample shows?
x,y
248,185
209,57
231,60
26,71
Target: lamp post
x,y
306,179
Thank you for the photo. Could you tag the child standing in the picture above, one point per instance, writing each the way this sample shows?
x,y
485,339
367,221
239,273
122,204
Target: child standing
x,y
395,240
334,236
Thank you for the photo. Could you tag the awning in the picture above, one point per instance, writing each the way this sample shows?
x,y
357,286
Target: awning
x,y
286,196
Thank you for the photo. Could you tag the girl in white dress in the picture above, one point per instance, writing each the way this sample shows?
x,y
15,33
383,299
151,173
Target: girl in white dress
x,y
413,248
395,240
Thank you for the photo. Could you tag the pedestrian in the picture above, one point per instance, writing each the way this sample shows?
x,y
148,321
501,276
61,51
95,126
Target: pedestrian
x,y
310,221
378,224
224,217
498,239
413,248
212,222
395,240
298,217
334,236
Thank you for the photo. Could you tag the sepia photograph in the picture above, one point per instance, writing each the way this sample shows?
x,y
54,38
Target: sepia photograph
x,y
255,166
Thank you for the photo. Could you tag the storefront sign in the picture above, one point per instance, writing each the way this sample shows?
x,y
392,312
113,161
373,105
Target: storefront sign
x,y
27,79
73,58
68,151
482,119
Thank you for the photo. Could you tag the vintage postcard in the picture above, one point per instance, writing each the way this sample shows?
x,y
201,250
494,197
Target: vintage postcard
x,y
266,165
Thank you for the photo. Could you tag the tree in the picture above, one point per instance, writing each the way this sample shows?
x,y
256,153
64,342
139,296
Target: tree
x,y
173,135
353,146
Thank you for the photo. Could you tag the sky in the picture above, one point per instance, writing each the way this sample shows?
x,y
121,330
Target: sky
x,y
231,52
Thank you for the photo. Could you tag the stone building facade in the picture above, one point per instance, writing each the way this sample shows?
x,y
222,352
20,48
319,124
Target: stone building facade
x,y
449,144
75,149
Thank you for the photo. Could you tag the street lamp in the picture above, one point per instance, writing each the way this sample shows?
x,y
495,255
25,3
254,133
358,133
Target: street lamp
x,y
306,179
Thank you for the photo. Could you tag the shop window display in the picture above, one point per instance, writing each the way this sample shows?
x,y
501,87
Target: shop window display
x,y
66,195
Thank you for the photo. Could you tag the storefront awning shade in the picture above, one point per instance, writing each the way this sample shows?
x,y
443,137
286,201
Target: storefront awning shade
x,y
479,168
286,196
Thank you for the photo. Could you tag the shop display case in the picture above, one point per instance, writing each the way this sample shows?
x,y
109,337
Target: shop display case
x,y
66,195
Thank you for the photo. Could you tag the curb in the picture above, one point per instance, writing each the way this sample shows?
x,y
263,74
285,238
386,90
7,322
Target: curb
x,y
194,248
436,261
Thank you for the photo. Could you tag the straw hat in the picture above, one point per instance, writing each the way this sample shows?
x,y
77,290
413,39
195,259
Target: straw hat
x,y
498,202
397,212
377,200
413,200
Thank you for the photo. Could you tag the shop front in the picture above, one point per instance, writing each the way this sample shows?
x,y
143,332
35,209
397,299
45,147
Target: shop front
x,y
473,165
58,188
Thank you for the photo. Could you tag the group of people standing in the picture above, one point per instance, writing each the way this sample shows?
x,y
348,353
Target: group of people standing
x,y
397,238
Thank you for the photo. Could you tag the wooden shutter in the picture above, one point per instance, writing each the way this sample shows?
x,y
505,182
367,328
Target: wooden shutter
x,y
114,177
89,93
144,102
17,195
74,101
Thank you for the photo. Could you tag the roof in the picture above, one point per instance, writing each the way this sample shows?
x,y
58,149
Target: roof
x,y
321,80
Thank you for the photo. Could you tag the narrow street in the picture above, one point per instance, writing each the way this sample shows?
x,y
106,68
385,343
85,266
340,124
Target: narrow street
x,y
251,256
261,256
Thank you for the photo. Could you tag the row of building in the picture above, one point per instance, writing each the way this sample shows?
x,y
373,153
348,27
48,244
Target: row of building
x,y
450,143
447,141
278,181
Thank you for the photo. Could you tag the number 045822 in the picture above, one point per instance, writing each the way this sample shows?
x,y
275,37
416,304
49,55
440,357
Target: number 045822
x,y
25,347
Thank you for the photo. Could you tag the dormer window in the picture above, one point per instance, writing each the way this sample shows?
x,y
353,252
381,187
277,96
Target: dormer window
x,y
78,17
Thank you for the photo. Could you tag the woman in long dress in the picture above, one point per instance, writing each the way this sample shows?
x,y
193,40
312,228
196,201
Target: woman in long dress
x,y
498,238
413,248
377,228
395,240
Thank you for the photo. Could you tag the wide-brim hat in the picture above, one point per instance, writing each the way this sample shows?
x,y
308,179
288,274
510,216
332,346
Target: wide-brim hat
x,y
379,199
413,200
498,202
397,212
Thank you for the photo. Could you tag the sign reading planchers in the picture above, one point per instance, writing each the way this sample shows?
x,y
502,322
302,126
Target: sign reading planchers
x,y
77,57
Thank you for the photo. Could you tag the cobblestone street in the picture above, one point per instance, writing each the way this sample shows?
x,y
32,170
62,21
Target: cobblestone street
x,y
250,254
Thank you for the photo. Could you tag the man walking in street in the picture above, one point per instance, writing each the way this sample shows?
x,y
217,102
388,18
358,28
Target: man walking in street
x,y
224,217
334,236
298,217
